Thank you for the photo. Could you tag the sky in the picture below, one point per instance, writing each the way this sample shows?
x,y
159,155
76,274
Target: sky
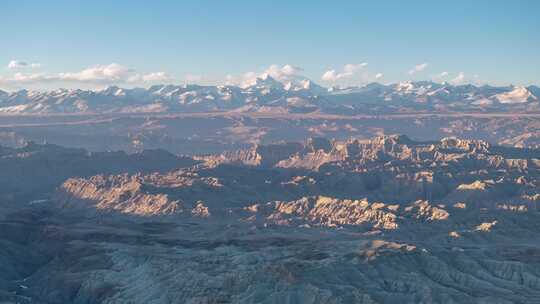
x,y
91,44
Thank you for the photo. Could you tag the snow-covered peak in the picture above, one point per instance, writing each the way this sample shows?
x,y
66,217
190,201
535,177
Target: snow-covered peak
x,y
405,87
113,90
267,81
418,88
517,95
267,91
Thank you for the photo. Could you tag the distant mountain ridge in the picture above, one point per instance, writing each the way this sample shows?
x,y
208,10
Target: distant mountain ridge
x,y
268,94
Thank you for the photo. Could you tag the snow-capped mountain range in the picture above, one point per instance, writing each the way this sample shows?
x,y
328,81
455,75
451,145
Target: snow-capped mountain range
x,y
269,94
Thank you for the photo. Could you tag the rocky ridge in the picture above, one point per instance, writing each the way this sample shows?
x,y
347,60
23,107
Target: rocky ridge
x,y
386,220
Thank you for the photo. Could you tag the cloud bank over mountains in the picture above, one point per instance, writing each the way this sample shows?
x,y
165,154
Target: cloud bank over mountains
x,y
24,74
103,75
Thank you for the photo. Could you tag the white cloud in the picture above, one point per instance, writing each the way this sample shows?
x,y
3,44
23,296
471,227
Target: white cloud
x,y
330,75
231,80
100,74
25,78
18,64
476,80
15,64
349,71
459,79
156,77
350,74
379,76
191,78
248,79
440,77
283,73
418,68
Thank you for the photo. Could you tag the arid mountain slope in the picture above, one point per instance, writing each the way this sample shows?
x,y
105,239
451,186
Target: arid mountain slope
x,y
33,171
385,220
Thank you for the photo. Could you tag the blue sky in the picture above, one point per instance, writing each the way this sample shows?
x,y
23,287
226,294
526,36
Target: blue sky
x,y
50,44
